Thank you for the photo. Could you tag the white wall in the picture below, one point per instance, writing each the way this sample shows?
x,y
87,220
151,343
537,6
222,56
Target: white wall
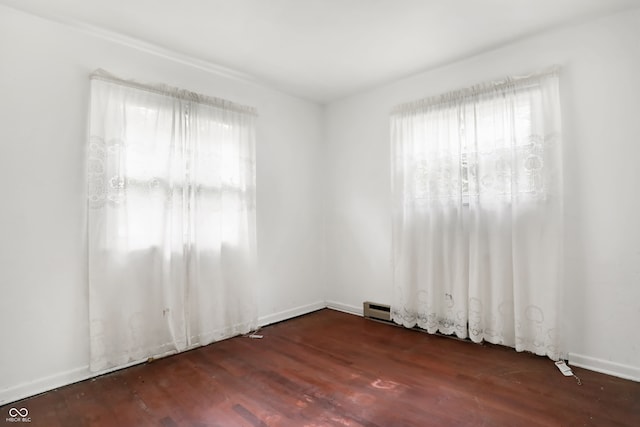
x,y
44,68
600,87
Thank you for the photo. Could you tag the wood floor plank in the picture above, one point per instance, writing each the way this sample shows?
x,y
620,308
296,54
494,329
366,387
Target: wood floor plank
x,y
333,369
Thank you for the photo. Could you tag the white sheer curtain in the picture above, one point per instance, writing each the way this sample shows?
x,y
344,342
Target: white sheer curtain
x,y
477,214
171,227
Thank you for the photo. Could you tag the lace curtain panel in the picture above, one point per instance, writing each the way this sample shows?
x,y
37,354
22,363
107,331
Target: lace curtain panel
x,y
477,214
171,224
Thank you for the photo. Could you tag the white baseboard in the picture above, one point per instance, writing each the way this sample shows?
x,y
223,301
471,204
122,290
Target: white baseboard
x,y
619,370
351,309
41,385
52,382
290,313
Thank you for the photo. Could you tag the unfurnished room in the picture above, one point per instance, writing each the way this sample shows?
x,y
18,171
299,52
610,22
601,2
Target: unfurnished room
x,y
319,213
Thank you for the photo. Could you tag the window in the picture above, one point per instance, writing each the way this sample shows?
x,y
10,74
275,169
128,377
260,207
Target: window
x,y
481,146
158,170
164,155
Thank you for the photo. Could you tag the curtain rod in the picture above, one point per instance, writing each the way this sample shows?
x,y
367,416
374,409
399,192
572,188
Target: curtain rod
x,y
174,92
517,82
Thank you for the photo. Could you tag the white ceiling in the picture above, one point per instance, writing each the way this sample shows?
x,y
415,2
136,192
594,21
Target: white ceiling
x,y
324,49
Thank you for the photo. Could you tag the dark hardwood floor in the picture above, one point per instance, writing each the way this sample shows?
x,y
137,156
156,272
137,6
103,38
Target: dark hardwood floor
x,y
334,369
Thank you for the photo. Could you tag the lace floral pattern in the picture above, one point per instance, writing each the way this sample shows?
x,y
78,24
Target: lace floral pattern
x,y
501,173
171,220
103,187
526,331
477,216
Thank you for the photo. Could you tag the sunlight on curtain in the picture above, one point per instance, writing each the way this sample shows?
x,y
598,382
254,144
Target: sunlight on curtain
x,y
172,235
477,214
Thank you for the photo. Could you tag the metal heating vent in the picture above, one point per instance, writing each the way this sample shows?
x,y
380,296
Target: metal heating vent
x,y
377,311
